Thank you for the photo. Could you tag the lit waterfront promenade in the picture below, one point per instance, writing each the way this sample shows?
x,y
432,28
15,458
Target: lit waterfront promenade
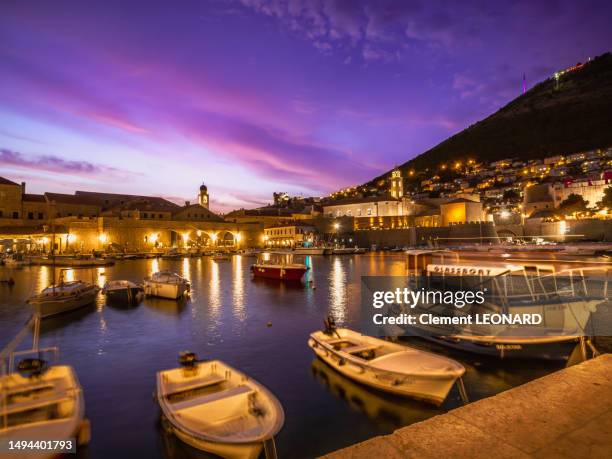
x,y
565,414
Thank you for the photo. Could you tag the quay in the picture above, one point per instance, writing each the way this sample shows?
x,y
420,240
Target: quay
x,y
565,414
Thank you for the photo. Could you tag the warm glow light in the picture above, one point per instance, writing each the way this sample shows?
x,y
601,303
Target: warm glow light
x,y
102,238
504,214
153,238
44,240
185,237
238,236
213,237
336,226
199,233
265,237
72,237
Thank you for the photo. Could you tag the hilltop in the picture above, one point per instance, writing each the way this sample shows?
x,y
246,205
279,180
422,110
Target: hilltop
x,y
561,115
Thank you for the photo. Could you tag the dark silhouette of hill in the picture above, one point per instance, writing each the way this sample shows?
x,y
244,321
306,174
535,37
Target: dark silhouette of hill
x,y
571,114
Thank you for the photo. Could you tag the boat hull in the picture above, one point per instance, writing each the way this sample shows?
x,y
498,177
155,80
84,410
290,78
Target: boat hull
x,y
311,251
128,295
49,308
554,350
431,388
226,450
278,273
163,290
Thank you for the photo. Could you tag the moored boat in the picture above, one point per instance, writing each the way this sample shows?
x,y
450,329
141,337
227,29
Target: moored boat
x,y
38,400
386,366
16,260
123,291
63,297
216,408
221,257
280,266
166,284
312,250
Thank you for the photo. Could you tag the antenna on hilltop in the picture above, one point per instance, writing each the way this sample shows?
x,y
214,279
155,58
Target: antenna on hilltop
x,y
524,85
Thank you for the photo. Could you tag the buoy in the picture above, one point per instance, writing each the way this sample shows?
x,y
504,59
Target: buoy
x,y
269,324
84,435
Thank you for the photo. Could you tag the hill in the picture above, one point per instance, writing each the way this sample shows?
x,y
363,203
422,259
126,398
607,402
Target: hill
x,y
557,116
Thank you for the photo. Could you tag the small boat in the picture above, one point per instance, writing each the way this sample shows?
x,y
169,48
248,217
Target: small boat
x,y
216,408
166,284
16,260
386,366
40,401
63,297
172,254
123,291
221,257
343,251
279,266
312,250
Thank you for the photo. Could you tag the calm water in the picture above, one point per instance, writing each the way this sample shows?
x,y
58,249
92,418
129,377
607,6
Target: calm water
x,y
116,352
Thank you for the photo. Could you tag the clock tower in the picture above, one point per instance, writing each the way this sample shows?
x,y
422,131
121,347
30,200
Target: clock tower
x,y
203,196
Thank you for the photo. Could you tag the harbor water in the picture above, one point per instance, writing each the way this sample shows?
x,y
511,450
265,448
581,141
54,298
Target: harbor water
x,y
259,327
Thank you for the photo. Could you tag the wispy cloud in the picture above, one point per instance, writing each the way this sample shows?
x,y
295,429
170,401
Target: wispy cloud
x,y
51,163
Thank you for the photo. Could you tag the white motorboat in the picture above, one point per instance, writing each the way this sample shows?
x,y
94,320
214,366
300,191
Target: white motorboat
x,y
391,367
16,260
63,297
221,257
39,401
216,408
312,250
344,251
166,284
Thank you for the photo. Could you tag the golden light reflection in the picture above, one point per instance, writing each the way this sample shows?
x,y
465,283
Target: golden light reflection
x,y
154,266
44,280
68,275
238,288
185,269
337,291
100,277
214,295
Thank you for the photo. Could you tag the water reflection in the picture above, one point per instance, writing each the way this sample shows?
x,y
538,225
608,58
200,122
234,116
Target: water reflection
x,y
338,290
167,307
185,269
154,266
387,410
214,289
238,289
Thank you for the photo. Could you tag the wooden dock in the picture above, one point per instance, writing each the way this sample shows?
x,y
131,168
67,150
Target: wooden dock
x,y
567,414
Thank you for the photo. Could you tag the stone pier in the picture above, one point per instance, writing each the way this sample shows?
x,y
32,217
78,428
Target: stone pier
x,y
567,414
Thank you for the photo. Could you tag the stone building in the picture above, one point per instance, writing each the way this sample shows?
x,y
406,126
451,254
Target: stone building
x,y
86,221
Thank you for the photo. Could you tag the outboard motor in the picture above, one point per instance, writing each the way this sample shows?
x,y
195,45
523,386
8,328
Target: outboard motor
x,y
188,359
330,325
29,368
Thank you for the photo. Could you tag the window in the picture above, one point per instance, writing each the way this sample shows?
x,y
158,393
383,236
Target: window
x,y
145,215
369,211
40,215
15,214
30,215
1,214
161,216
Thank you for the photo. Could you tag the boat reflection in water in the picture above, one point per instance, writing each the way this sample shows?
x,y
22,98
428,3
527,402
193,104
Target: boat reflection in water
x,y
167,307
388,411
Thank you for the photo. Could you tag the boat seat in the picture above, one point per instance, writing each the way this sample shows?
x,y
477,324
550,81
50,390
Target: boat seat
x,y
209,398
360,348
198,383
36,403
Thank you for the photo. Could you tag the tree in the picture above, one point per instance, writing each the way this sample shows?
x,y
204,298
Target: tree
x,y
606,200
573,203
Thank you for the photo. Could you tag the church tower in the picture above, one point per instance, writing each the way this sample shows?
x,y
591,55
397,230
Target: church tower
x,y
397,184
203,196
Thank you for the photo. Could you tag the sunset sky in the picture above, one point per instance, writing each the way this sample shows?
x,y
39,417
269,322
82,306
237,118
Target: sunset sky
x,y
258,96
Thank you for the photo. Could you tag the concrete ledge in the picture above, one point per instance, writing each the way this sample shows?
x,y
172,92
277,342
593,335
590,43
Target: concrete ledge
x,y
567,414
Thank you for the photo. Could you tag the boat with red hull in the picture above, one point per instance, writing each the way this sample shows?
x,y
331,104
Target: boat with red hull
x,y
281,267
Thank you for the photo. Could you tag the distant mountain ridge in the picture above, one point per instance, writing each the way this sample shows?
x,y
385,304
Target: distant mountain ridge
x,y
557,116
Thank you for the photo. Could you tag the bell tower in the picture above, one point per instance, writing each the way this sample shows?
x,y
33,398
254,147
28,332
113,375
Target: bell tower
x,y
397,184
203,196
